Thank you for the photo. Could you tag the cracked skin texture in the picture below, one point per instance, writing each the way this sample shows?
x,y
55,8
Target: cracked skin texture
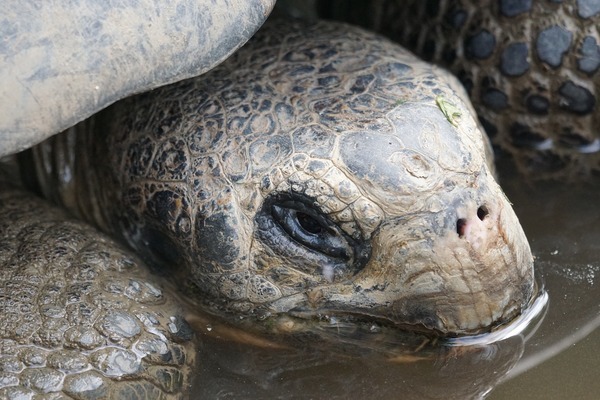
x,y
313,172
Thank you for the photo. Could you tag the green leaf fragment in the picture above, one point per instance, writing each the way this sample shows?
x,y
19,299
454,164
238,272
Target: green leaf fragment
x,y
450,111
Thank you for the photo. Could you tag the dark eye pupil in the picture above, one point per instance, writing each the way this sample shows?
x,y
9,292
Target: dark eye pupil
x,y
308,223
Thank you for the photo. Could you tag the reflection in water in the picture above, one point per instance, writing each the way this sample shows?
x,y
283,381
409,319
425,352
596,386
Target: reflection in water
x,y
563,228
235,371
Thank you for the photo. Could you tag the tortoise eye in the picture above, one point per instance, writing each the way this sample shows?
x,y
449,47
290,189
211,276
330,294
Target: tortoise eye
x,y
308,240
311,229
308,223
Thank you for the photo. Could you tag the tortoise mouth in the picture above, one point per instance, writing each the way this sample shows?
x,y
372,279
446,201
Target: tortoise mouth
x,y
356,320
352,322
321,309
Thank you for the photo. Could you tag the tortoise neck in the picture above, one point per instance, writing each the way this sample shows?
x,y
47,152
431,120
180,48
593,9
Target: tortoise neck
x,y
61,170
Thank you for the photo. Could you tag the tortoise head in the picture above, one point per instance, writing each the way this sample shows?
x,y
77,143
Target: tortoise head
x,y
362,192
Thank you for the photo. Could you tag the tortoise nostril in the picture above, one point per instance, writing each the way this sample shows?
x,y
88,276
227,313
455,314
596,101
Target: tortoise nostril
x,y
482,212
461,225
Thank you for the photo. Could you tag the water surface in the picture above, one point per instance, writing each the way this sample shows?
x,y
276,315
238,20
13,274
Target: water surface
x,y
562,359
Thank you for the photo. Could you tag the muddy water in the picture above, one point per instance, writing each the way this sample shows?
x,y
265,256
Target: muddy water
x,y
556,357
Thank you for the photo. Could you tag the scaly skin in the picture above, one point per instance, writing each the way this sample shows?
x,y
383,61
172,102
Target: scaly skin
x,y
81,317
530,67
320,170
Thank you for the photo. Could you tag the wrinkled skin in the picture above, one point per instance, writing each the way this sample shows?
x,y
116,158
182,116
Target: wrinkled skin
x,y
320,170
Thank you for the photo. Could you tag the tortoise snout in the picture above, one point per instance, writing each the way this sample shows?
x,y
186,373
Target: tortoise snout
x,y
463,225
475,225
461,270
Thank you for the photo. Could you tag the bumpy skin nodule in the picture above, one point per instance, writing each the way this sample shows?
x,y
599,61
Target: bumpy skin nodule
x,y
320,170
530,67
81,317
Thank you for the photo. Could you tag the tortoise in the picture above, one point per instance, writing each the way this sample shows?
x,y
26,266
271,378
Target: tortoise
x,y
320,170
